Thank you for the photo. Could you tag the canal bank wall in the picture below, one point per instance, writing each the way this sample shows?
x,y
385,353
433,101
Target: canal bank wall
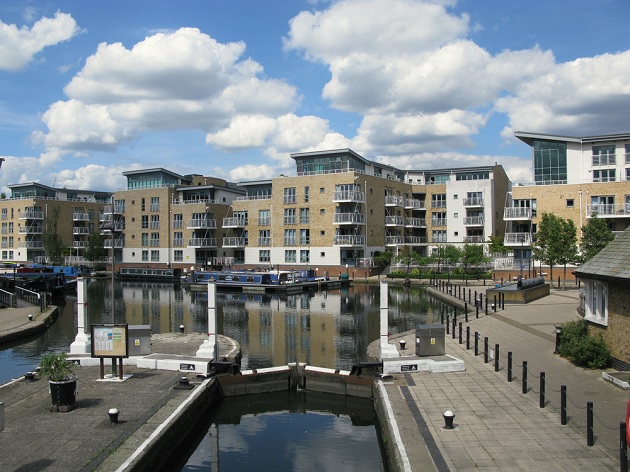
x,y
19,323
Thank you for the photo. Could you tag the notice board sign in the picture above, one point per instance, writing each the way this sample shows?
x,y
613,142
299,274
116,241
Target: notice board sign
x,y
110,340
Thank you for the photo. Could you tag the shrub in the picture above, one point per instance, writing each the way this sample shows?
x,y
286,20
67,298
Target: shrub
x,y
582,348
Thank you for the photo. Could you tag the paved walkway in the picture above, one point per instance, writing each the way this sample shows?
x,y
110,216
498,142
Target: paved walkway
x,y
497,427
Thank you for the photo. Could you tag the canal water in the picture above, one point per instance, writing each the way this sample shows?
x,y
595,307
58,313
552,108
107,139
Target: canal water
x,y
325,329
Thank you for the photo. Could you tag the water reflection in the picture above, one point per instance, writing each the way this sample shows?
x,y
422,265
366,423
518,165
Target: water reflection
x,y
287,431
327,329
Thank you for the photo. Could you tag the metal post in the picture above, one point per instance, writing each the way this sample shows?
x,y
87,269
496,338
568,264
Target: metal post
x,y
503,301
496,358
589,423
476,343
485,350
448,324
509,367
542,390
486,306
469,294
466,313
563,404
466,309
460,332
442,317
454,326
494,305
467,338
476,310
623,448
524,386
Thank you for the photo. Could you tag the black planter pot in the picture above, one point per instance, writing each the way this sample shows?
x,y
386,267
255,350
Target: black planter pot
x,y
63,394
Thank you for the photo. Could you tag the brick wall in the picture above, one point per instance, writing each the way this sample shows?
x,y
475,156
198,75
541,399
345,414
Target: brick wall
x,y
617,333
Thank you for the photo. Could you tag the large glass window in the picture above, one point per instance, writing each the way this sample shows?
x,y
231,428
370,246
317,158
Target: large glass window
x,y
550,162
289,255
604,175
604,155
289,196
264,255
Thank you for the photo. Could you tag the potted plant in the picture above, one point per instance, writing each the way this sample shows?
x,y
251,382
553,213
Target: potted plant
x,y
61,380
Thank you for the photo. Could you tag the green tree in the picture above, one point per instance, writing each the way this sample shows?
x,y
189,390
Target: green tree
x,y
548,248
595,236
496,245
95,250
408,257
53,245
472,255
569,248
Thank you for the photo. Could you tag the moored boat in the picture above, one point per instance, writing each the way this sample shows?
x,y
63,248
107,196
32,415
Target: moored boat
x,y
147,273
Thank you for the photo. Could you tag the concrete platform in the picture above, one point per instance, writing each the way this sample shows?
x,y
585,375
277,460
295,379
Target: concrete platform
x,y
433,364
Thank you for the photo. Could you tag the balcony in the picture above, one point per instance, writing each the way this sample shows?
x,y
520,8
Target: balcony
x,y
415,240
415,222
394,200
347,240
517,213
473,239
517,239
289,241
610,210
202,242
438,222
394,240
265,242
79,244
201,223
413,204
473,202
349,219
238,222
232,241
117,209
118,243
31,244
80,216
473,221
34,229
80,230
31,215
348,196
394,221
438,203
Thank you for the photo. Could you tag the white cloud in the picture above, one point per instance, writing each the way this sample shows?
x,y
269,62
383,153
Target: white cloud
x,y
18,46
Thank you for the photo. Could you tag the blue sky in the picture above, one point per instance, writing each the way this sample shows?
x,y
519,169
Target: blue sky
x,y
89,90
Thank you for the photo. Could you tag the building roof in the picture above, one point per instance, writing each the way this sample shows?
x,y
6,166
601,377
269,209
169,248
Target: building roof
x,y
611,263
529,138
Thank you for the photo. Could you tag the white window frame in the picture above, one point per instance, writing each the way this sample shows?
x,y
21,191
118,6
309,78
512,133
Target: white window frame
x,y
596,302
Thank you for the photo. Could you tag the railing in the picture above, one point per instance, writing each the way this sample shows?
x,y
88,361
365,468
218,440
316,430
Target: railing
x,y
348,196
394,220
34,229
289,220
205,223
346,240
473,239
8,299
289,200
154,207
202,242
232,241
513,239
349,218
31,297
610,209
414,204
415,239
234,222
290,242
394,200
253,197
79,244
264,221
80,230
475,201
154,243
415,222
264,241
438,203
473,220
81,216
182,201
394,240
517,213
31,244
31,215
438,222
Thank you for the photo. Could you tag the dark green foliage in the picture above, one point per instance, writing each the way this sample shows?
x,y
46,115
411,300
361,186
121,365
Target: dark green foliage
x,y
582,348
595,236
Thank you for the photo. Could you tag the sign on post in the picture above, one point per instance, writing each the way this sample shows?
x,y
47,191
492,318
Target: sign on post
x,y
109,340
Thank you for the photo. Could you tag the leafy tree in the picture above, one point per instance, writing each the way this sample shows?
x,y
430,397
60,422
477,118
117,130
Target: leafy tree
x,y
548,248
447,255
408,256
53,245
569,249
595,236
496,245
472,254
95,250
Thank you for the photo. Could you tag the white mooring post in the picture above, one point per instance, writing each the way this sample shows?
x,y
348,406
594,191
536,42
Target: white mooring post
x,y
210,347
387,349
82,343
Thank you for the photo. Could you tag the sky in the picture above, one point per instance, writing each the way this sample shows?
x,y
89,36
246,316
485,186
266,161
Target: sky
x,y
230,88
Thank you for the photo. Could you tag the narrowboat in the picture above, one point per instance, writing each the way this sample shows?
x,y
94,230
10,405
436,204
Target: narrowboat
x,y
151,274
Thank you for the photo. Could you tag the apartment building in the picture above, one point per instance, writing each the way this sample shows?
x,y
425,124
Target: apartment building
x,y
340,210
575,178
31,206
167,219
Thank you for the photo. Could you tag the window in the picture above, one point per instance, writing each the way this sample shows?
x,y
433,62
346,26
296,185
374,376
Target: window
x,y
438,200
145,221
322,232
438,236
305,237
264,217
305,255
178,239
264,237
570,203
604,155
596,302
155,203
155,256
155,239
145,239
322,211
289,216
306,194
290,237
321,190
264,255
155,221
604,175
289,196
145,256
304,216
178,221
322,255
550,162
142,204
289,255
178,255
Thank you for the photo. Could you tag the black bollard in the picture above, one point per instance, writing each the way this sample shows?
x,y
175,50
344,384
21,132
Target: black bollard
x,y
623,447
476,343
509,367
589,424
524,384
476,310
494,305
460,332
542,390
485,350
496,358
454,326
467,338
563,404
448,324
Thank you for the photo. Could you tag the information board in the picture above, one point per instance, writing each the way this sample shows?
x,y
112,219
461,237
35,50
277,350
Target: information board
x,y
110,340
